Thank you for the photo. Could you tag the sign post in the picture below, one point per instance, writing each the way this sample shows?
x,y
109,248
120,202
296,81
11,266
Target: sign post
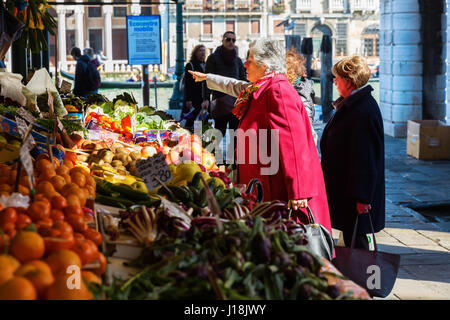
x,y
144,46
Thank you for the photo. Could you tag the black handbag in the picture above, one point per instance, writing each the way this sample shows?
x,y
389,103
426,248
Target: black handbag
x,y
373,270
222,106
320,240
259,188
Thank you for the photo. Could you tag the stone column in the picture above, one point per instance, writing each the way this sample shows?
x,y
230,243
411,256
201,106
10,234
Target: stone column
x,y
8,60
79,25
447,50
400,64
61,34
107,11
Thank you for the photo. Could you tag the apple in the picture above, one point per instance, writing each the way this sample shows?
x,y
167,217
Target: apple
x,y
196,149
148,151
174,156
165,150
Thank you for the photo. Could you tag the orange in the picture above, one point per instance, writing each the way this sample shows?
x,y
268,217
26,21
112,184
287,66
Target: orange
x,y
82,170
4,193
91,191
70,156
44,187
90,277
6,187
60,260
58,182
62,170
47,175
73,210
59,290
67,178
78,178
23,221
27,245
39,210
24,190
4,178
58,202
73,200
40,275
24,181
68,187
17,288
68,164
43,165
90,181
12,177
8,265
86,250
101,270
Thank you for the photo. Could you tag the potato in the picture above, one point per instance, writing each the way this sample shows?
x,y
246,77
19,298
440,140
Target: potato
x,y
135,155
129,159
122,157
122,170
108,165
116,163
120,150
108,157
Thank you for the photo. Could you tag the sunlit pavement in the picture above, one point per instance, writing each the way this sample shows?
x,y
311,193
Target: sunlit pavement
x,y
424,246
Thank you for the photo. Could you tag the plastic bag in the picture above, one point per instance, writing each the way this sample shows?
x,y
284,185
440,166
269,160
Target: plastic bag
x,y
39,83
12,87
15,200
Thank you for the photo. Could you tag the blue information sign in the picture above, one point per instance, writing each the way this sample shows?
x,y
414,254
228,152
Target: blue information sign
x,y
144,39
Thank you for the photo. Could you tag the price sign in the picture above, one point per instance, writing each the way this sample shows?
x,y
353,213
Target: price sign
x,y
65,86
25,115
22,127
152,169
25,157
50,102
59,124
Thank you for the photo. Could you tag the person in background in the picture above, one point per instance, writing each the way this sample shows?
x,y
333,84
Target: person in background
x,y
96,63
225,62
2,65
87,76
270,102
352,147
101,57
296,74
194,92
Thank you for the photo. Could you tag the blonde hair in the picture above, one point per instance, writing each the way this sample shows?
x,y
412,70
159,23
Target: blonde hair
x,y
295,65
353,68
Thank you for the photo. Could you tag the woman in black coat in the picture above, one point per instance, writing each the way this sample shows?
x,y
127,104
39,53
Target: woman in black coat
x,y
352,147
194,92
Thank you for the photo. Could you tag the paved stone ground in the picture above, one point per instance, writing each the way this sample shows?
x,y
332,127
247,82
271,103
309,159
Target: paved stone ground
x,y
424,246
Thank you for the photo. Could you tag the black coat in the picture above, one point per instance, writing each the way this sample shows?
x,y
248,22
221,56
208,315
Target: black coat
x,y
216,65
352,147
87,77
194,91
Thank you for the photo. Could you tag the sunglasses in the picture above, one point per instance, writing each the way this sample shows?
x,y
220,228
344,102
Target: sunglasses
x,y
230,39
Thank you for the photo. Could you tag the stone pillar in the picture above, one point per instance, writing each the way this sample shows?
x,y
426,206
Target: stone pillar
x,y
107,11
79,25
447,50
400,64
8,60
61,34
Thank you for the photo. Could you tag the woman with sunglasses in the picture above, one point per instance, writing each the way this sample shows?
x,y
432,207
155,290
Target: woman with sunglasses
x,y
269,102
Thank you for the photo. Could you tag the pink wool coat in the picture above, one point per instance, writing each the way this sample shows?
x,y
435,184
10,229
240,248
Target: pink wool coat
x,y
276,105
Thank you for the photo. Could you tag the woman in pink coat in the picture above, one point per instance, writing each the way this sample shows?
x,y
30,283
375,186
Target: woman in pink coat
x,y
274,139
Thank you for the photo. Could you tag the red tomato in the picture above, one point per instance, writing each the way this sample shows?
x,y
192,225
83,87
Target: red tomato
x,y
94,236
86,250
23,221
8,215
63,226
101,270
9,229
77,222
64,242
56,215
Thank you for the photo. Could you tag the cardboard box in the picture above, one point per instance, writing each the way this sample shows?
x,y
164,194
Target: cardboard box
x,y
428,139
9,126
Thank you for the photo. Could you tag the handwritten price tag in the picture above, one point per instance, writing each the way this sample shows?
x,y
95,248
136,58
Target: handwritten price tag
x,y
25,115
152,169
59,124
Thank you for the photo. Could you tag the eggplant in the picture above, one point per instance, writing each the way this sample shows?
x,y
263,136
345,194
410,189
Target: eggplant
x,y
333,291
305,259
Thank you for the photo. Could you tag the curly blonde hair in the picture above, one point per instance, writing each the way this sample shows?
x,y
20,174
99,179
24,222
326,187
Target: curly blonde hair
x,y
295,65
353,68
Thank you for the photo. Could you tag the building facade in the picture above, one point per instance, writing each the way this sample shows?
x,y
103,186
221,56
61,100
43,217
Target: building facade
x,y
352,24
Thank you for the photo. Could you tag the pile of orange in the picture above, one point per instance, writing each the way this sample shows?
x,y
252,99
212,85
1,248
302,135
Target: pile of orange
x,y
36,267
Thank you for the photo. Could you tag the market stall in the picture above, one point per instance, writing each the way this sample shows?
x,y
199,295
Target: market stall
x,y
141,208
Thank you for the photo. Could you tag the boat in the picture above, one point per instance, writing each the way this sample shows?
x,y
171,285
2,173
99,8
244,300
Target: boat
x,y
124,84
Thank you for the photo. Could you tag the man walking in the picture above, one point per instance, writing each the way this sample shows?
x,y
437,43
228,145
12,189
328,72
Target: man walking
x,y
225,62
87,76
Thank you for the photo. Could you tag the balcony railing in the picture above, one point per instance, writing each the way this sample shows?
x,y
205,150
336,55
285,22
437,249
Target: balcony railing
x,y
279,7
303,5
336,5
109,66
365,5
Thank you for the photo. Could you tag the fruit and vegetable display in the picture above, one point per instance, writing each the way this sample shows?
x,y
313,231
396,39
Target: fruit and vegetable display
x,y
193,236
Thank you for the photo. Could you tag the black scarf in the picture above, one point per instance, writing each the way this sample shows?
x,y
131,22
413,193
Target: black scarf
x,y
227,56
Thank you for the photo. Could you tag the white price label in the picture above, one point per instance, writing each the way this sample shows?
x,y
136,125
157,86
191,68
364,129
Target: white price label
x,y
23,128
60,125
25,158
152,169
24,114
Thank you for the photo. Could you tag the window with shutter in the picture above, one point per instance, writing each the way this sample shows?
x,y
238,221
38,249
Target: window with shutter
x,y
207,27
278,30
230,25
255,27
